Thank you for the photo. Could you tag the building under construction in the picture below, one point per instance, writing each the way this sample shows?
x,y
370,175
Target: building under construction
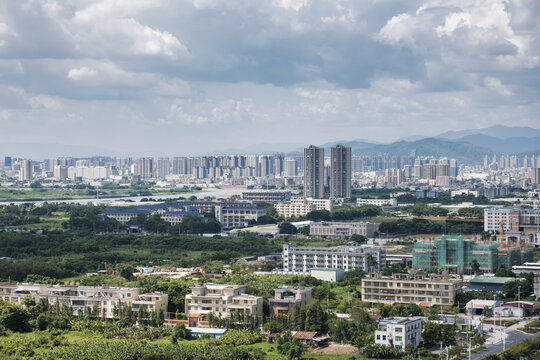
x,y
456,254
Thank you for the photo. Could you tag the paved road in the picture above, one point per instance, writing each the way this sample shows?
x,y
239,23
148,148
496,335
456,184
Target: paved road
x,y
513,338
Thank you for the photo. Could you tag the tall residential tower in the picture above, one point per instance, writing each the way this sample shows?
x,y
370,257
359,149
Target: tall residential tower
x,y
340,177
314,172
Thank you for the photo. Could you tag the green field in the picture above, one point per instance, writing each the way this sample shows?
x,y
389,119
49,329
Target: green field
x,y
49,194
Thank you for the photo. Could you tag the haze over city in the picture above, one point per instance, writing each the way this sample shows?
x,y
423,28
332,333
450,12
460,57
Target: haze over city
x,y
134,77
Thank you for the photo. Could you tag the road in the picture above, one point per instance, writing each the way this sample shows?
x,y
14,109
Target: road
x,y
513,338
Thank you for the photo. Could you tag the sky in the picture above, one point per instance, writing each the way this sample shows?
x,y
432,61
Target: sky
x,y
184,77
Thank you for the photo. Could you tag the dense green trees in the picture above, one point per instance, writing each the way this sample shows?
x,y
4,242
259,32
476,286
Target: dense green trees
x,y
66,254
289,347
423,226
434,333
287,228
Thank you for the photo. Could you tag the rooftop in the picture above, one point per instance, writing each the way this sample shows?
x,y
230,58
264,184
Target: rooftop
x,y
491,279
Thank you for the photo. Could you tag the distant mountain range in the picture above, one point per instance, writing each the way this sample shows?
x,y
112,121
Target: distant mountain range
x,y
496,131
467,146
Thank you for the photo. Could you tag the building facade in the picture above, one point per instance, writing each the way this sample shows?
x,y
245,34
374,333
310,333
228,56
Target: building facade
x,y
271,196
286,298
341,175
457,254
302,259
79,298
399,332
342,229
434,289
314,172
377,202
237,215
222,300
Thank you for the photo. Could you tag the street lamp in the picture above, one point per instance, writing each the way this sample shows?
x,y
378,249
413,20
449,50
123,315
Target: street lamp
x,y
494,302
519,301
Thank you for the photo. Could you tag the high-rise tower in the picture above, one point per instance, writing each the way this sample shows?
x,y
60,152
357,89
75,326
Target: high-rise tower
x,y
340,168
314,172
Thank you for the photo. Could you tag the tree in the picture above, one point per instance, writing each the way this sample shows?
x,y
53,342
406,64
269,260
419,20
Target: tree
x,y
125,271
448,336
319,215
304,230
180,333
14,317
289,347
431,333
475,266
287,228
358,238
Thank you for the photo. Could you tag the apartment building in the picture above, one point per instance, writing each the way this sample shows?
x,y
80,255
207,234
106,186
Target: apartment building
x,y
286,298
237,214
298,206
104,299
399,332
415,287
342,229
377,202
271,196
222,300
514,219
288,210
301,259
151,302
320,204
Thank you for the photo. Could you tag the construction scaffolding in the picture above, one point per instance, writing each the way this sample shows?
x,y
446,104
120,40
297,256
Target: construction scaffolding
x,y
457,254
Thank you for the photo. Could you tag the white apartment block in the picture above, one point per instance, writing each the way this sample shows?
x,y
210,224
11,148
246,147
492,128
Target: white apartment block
x,y
237,215
514,219
398,332
377,202
77,297
266,195
222,300
288,210
151,302
301,259
320,204
416,287
342,229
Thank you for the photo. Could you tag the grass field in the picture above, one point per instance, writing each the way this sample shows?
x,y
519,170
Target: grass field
x,y
47,222
47,194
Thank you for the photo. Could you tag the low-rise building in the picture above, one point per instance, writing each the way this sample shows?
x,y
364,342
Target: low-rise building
x,y
415,287
489,283
301,259
151,302
288,210
377,202
482,307
331,275
238,214
399,332
79,298
222,300
270,196
342,229
286,298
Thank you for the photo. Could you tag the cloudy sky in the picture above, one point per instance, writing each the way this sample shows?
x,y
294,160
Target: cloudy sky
x,y
180,77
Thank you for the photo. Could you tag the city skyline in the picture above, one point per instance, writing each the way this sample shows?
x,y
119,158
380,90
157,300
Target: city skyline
x,y
153,77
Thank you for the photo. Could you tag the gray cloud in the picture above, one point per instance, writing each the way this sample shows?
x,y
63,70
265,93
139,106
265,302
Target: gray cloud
x,y
173,77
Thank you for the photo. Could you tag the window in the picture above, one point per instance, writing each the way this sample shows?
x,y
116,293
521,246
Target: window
x,y
384,337
399,338
378,337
